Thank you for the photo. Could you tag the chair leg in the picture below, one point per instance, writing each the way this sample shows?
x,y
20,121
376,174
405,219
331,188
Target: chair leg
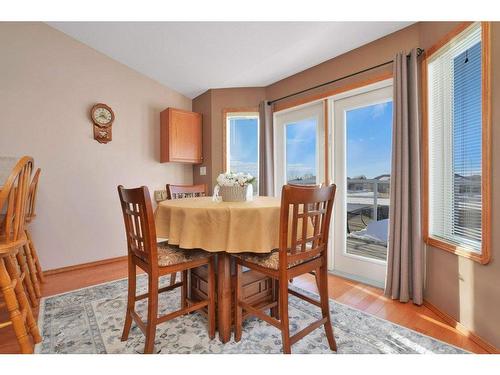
x,y
211,298
152,314
275,310
325,308
32,269
34,255
238,311
285,325
22,300
27,283
130,299
184,288
13,309
173,277
317,277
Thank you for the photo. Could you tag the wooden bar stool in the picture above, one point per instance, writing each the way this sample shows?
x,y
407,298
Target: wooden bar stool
x,y
13,199
34,268
143,252
299,253
185,191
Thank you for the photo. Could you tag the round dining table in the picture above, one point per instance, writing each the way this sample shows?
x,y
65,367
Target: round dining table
x,y
223,228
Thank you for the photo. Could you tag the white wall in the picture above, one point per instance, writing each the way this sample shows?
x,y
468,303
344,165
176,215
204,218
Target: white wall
x,y
48,83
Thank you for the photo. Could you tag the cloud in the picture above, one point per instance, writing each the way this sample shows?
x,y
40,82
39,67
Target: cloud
x,y
379,109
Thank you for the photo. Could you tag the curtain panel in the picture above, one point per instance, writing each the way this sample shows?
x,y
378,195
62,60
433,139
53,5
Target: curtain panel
x,y
266,159
405,259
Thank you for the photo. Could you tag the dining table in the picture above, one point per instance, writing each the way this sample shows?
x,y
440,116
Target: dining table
x,y
223,228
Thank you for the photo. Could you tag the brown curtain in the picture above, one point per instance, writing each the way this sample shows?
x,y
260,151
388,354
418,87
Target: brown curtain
x,y
266,163
405,260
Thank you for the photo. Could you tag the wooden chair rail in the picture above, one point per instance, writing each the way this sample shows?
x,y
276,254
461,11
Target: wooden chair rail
x,y
161,290
304,297
186,310
305,254
259,314
304,332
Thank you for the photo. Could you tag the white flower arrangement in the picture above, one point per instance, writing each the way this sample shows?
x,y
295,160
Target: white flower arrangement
x,y
235,179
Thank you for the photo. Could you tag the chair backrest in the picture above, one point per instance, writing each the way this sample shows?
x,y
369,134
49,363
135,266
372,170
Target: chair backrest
x,y
14,199
304,222
139,224
306,185
186,191
30,209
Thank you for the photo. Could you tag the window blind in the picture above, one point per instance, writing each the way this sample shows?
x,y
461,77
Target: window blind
x,y
455,140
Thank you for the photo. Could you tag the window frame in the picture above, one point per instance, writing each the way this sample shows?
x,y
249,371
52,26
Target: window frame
x,y
242,111
280,121
485,256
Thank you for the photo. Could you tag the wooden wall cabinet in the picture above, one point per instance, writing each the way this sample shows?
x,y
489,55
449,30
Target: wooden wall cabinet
x,y
180,136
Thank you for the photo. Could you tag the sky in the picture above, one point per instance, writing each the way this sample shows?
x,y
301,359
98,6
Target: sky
x,y
369,134
301,148
369,140
467,112
243,135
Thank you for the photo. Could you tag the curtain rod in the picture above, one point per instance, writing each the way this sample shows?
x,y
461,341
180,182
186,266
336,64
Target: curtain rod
x,y
419,52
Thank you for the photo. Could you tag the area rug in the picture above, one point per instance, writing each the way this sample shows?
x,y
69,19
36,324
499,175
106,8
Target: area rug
x,y
90,320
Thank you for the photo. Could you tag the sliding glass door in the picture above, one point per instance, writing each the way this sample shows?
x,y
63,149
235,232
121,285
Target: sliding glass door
x,y
360,142
299,145
361,161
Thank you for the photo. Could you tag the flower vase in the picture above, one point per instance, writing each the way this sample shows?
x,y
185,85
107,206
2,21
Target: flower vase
x,y
234,193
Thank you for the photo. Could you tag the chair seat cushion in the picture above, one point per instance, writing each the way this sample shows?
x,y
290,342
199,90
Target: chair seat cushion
x,y
270,260
169,255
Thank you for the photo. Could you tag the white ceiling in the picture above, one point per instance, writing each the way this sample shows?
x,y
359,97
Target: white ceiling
x,y
191,57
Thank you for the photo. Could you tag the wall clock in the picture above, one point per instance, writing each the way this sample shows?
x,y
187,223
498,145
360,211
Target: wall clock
x,y
103,117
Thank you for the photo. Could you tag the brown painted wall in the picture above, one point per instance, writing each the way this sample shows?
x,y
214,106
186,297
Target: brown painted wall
x,y
469,291
203,104
220,99
369,55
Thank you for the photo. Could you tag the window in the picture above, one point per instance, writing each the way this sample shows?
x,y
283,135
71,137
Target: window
x,y
457,163
242,144
300,151
299,146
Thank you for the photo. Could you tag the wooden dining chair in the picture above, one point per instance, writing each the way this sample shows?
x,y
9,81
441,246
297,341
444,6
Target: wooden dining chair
x,y
156,261
309,186
185,191
299,253
30,217
33,264
13,201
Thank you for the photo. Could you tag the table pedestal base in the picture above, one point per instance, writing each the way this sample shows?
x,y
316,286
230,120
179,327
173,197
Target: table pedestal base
x,y
256,289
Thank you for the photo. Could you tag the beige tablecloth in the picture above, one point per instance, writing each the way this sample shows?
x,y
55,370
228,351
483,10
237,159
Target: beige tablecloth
x,y
224,226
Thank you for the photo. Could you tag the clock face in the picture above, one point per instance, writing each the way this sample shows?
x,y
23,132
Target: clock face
x,y
102,116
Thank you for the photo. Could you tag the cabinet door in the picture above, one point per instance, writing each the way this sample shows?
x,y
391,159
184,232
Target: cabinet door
x,y
181,136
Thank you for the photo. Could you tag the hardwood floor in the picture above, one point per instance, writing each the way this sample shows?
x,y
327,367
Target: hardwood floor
x,y
360,296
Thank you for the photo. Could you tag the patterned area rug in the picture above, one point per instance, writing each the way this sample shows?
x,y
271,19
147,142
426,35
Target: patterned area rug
x,y
90,320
